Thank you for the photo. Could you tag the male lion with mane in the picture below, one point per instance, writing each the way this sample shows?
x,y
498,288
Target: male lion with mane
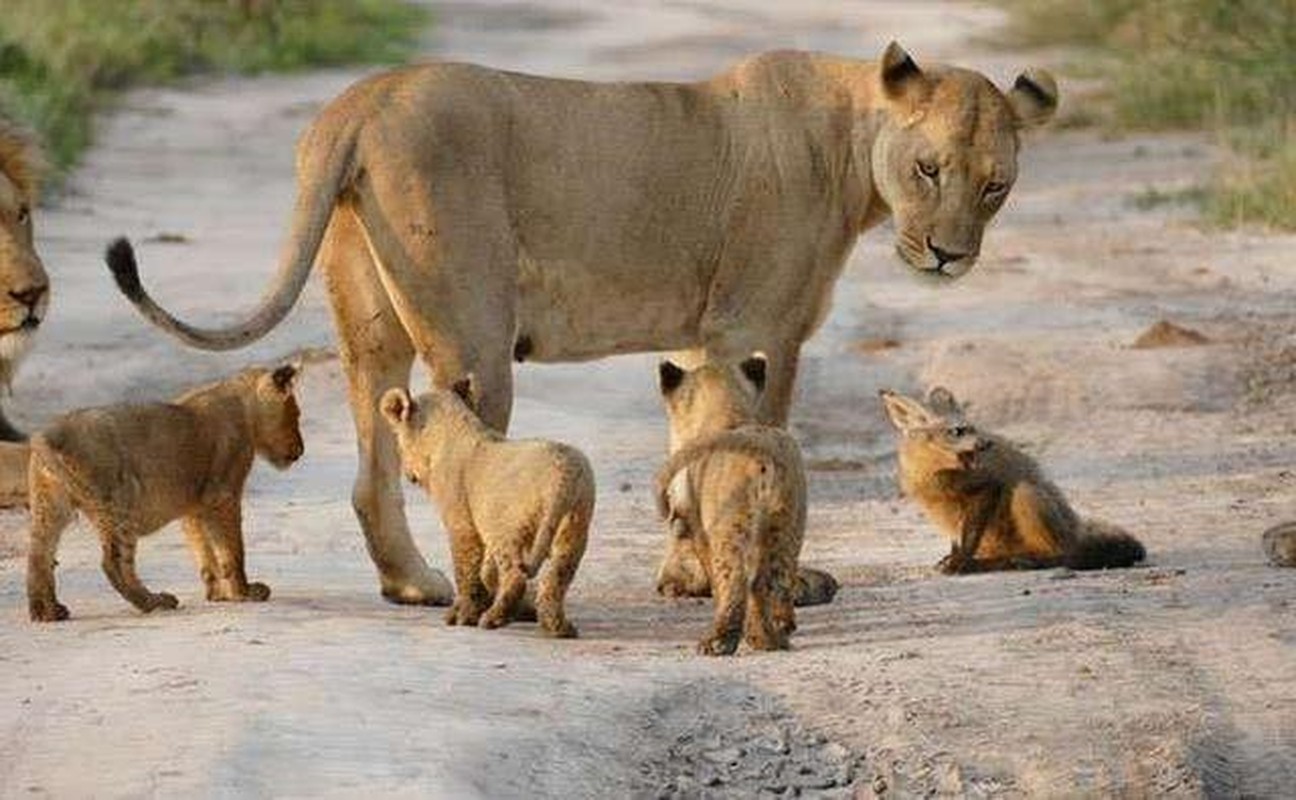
x,y
472,217
24,286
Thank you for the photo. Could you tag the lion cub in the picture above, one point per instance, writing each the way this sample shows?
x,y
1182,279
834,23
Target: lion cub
x,y
507,505
990,498
735,490
131,469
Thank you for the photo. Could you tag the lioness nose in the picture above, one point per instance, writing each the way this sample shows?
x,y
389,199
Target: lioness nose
x,y
30,296
943,256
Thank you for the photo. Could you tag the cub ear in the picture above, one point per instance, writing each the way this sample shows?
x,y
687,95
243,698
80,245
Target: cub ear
x,y
754,370
284,377
941,401
900,76
1034,98
904,413
669,376
397,406
466,388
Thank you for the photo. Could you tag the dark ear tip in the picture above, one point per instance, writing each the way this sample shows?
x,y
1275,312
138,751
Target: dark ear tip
x,y
670,374
283,376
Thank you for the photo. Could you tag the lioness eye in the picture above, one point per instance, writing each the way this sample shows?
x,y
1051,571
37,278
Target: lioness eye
x,y
995,187
928,169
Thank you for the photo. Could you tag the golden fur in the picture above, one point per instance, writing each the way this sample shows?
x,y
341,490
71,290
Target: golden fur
x,y
991,499
24,286
735,492
131,469
470,217
508,506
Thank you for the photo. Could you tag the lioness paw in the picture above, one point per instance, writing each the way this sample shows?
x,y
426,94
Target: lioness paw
x,y
162,600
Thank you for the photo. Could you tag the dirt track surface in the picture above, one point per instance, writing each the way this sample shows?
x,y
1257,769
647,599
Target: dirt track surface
x,y
1177,678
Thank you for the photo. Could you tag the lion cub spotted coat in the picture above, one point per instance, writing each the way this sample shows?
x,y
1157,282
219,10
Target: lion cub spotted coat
x,y
507,506
737,491
991,499
131,469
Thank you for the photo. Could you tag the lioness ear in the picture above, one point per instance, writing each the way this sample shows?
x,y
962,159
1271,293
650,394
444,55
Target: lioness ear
x,y
397,406
903,412
1034,98
900,76
669,376
941,401
754,370
284,376
464,387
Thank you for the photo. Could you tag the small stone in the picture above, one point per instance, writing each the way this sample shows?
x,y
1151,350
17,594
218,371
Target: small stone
x,y
834,752
728,756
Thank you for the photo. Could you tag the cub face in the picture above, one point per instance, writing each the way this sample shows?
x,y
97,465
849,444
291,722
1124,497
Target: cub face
x,y
713,397
277,428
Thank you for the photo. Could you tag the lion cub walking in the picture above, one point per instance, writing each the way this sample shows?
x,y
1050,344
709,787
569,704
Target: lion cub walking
x,y
992,499
736,491
131,469
507,506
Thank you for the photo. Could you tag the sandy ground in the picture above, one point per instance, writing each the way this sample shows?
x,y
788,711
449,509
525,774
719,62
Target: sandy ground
x,y
1177,678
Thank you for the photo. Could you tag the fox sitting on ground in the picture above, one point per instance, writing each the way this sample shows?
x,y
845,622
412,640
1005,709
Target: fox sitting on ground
x,y
992,499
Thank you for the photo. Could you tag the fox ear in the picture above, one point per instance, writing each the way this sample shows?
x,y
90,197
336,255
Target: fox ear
x,y
669,376
904,413
397,406
754,370
941,401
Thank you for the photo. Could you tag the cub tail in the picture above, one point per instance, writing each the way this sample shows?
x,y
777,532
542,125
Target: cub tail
x,y
1103,546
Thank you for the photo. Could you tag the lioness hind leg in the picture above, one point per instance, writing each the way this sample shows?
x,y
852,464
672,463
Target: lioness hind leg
x,y
564,558
119,566
511,570
51,513
377,355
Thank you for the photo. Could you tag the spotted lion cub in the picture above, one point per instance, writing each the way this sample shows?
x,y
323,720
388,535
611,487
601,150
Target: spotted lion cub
x,y
507,506
735,490
131,469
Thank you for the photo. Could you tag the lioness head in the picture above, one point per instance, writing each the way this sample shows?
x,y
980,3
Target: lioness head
x,y
276,416
945,157
421,425
24,286
715,396
936,434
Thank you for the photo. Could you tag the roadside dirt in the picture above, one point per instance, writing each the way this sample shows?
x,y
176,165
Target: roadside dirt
x,y
1178,678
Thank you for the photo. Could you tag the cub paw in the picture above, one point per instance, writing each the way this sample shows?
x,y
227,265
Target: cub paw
x,y
462,614
48,612
723,645
953,564
560,630
492,619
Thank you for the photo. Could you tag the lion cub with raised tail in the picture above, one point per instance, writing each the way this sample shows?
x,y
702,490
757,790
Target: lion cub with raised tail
x,y
736,490
507,506
131,469
991,499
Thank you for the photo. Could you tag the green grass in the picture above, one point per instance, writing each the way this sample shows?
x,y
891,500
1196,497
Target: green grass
x,y
61,60
1228,66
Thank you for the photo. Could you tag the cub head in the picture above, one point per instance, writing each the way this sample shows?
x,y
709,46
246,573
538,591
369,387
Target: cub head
x,y
945,157
713,397
933,436
277,417
420,424
24,286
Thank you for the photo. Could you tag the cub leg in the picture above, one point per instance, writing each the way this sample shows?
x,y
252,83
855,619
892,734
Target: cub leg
x,y
728,588
203,556
119,565
511,568
51,512
771,615
466,550
222,526
564,558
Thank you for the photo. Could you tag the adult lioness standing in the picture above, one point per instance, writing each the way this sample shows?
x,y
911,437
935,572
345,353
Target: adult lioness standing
x,y
471,217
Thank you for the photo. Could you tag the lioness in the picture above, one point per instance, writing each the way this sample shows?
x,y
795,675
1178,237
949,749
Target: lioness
x,y
507,505
735,491
24,286
133,468
472,217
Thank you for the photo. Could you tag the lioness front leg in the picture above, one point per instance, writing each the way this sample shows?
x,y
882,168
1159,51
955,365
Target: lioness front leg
x,y
222,526
51,513
119,566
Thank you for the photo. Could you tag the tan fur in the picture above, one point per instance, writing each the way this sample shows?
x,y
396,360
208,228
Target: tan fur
x,y
735,491
991,499
508,507
131,469
468,216
24,286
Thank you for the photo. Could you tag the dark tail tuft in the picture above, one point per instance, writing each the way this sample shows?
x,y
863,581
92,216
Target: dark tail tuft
x,y
120,257
1103,546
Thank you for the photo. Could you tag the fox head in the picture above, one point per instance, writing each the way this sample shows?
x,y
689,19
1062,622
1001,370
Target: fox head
x,y
934,435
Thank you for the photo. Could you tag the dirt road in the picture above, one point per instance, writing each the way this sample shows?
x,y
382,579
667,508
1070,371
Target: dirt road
x,y
1178,678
